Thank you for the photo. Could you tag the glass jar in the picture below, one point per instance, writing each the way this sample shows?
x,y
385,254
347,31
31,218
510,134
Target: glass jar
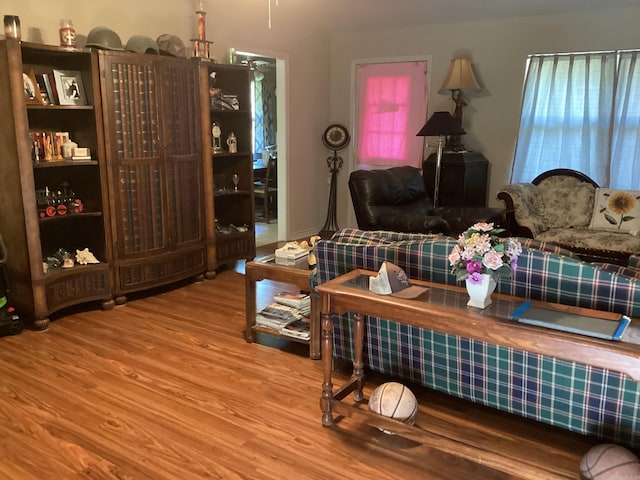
x,y
67,33
12,26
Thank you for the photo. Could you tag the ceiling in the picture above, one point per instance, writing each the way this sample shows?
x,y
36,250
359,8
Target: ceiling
x,y
368,14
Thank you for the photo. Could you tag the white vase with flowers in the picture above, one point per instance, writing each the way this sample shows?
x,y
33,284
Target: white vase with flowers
x,y
480,257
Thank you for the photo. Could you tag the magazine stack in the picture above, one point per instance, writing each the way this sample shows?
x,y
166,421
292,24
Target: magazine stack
x,y
289,314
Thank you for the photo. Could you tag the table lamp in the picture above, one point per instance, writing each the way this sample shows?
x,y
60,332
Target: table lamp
x,y
460,81
441,124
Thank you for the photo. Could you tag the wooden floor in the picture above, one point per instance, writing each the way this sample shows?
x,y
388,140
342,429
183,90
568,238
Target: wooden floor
x,y
165,387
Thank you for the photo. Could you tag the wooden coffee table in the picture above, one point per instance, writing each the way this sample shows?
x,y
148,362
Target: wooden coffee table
x,y
266,268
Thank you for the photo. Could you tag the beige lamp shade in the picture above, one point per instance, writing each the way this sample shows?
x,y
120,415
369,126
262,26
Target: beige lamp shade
x,y
460,77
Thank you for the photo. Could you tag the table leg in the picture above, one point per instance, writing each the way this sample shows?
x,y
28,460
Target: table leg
x,y
327,358
358,363
250,308
314,342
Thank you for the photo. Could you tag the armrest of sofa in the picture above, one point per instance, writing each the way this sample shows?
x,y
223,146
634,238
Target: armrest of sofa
x,y
524,209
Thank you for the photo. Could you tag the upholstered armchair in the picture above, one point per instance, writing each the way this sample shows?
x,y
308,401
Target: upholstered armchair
x,y
395,199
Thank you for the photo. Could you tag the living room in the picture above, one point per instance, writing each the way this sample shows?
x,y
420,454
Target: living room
x,y
320,61
137,429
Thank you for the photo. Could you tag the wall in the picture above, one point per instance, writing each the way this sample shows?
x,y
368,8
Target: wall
x,y
498,49
241,24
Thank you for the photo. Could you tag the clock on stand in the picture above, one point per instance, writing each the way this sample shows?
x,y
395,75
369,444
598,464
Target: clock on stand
x,y
336,138
216,133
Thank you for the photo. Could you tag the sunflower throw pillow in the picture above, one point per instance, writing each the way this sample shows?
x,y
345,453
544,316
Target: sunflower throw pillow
x,y
617,210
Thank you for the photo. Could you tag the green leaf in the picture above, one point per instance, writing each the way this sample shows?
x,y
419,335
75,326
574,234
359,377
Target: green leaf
x,y
626,218
610,219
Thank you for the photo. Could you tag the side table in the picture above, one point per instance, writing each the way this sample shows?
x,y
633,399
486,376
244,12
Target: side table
x,y
463,180
266,268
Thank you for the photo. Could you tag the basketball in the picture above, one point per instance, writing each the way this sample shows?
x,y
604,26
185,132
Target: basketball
x,y
608,462
396,401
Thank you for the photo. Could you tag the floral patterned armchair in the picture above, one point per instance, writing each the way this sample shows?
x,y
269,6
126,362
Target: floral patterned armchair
x,y
568,208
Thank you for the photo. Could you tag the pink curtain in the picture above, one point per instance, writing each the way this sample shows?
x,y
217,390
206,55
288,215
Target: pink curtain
x,y
392,106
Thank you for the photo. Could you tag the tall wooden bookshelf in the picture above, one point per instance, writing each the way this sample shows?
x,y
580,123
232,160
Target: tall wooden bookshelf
x,y
56,204
226,102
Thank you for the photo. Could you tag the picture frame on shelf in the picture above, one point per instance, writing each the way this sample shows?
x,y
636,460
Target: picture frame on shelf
x,y
31,90
45,89
70,87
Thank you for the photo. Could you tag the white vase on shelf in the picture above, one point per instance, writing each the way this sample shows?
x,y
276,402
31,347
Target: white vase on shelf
x,y
480,293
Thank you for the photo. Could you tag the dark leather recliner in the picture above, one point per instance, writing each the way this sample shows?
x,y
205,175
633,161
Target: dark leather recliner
x,y
395,199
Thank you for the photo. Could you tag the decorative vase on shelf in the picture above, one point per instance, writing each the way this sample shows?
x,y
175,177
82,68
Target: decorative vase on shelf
x,y
480,293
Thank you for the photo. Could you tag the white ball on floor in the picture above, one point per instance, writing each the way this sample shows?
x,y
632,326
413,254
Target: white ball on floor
x,y
394,400
608,461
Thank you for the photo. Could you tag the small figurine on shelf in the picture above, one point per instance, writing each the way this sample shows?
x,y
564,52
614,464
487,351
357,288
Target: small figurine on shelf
x,y
233,143
84,257
48,147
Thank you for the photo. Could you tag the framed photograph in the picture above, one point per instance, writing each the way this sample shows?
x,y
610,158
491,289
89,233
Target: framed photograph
x,y
70,87
31,90
45,89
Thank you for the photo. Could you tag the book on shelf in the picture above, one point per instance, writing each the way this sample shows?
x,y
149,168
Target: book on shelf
x,y
298,329
293,299
275,323
276,315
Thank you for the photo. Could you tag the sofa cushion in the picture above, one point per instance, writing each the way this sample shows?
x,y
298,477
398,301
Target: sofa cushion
x,y
592,239
616,210
568,202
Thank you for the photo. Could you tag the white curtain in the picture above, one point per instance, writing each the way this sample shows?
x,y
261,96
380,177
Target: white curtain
x,y
566,115
582,111
625,157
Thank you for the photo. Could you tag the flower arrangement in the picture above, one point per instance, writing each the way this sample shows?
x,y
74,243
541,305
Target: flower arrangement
x,y
480,250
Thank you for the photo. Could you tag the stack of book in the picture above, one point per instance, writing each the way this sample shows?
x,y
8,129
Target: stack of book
x,y
289,314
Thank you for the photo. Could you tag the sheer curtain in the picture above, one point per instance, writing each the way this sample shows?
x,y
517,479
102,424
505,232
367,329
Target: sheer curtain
x,y
566,115
392,104
625,157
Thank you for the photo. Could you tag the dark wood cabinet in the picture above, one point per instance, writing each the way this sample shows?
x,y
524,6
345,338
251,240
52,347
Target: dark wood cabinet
x,y
226,102
57,204
153,142
463,179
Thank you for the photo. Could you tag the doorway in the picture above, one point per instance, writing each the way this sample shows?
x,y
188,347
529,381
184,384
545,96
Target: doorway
x,y
267,107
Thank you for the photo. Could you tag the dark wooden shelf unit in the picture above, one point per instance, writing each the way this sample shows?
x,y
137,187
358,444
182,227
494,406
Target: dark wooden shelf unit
x,y
29,241
225,206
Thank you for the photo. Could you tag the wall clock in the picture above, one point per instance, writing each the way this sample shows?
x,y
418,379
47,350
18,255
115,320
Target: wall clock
x,y
335,137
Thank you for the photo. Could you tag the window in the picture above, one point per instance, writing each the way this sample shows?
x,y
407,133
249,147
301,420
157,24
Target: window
x,y
581,111
391,109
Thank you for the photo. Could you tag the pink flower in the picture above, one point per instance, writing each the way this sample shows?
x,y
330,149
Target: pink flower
x,y
454,256
492,260
475,278
474,266
483,227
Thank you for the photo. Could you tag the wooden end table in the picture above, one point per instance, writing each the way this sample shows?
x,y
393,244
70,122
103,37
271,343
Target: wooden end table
x,y
266,268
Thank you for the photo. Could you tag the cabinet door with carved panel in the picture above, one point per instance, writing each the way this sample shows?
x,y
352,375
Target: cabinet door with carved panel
x,y
154,153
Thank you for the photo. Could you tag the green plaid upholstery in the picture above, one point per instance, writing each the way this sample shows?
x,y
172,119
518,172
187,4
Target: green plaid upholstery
x,y
566,394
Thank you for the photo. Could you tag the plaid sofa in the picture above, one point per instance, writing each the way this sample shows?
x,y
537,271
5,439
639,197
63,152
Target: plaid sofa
x,y
571,395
